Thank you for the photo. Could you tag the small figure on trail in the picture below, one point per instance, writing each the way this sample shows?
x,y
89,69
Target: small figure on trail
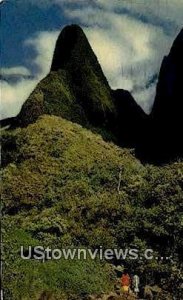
x,y
125,282
136,282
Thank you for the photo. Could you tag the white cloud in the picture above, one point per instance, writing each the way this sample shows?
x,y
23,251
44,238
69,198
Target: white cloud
x,y
19,70
167,11
44,44
145,97
129,50
129,38
14,95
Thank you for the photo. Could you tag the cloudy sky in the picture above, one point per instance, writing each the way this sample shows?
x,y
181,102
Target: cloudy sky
x,y
130,38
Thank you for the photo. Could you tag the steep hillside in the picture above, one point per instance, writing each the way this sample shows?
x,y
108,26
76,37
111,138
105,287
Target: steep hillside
x,y
63,186
55,147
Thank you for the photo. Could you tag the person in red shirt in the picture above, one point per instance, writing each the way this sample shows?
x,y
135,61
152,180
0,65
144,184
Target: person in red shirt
x,y
125,282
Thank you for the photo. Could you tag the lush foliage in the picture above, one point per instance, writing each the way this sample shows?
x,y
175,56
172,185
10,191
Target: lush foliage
x,y
64,186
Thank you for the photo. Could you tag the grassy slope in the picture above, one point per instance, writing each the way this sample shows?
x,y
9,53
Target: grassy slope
x,y
60,189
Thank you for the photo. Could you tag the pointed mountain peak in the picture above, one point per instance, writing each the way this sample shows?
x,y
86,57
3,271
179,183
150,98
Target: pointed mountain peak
x,y
71,42
75,89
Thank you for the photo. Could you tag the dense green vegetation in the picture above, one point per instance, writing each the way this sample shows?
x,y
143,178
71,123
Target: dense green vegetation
x,y
64,186
29,279
53,95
